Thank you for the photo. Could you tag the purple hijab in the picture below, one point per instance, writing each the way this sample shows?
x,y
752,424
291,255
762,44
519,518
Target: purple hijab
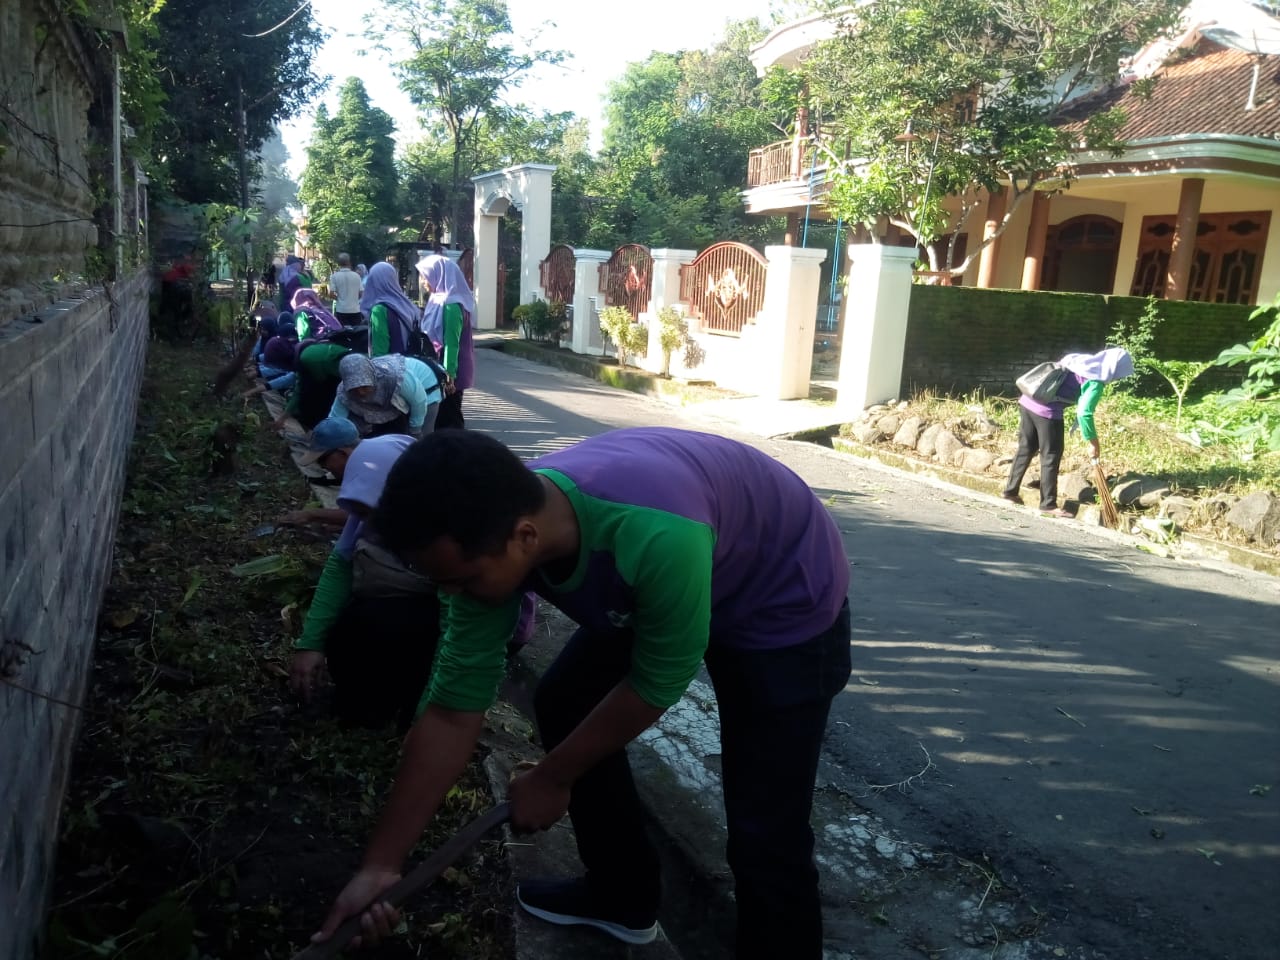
x,y
306,299
448,285
382,286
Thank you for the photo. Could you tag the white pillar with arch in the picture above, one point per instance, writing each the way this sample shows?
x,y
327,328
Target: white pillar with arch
x,y
875,325
526,187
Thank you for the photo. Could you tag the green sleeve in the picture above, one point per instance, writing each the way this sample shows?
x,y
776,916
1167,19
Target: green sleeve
x,y
331,596
379,332
472,655
453,321
667,559
302,323
1090,394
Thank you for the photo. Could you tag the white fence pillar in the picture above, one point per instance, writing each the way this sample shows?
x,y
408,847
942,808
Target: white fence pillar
x,y
780,343
875,324
664,292
586,286
484,271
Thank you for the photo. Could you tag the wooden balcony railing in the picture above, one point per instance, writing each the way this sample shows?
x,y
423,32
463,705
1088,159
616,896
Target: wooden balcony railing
x,y
784,161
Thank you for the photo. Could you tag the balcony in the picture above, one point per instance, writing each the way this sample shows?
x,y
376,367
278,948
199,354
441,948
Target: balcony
x,y
785,176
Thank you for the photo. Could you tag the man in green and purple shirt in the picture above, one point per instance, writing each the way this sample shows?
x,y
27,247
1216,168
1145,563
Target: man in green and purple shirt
x,y
669,548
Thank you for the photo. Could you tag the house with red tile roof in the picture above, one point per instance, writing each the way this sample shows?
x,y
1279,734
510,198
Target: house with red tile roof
x,y
1190,210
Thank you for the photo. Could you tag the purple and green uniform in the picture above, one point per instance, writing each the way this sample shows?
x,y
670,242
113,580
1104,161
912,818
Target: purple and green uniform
x,y
1075,388
685,539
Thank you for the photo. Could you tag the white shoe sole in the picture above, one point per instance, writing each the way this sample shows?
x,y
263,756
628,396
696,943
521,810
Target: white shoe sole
x,y
615,930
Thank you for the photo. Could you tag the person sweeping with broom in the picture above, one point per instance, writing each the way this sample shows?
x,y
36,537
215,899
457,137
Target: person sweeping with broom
x,y
1041,426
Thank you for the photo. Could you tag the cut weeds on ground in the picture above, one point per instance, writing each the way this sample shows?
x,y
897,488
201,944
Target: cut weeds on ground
x,y
208,815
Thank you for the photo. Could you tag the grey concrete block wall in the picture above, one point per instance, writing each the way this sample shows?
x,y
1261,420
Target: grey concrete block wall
x,y
71,378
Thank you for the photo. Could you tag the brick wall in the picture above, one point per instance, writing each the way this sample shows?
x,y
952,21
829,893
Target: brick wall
x,y
961,338
69,383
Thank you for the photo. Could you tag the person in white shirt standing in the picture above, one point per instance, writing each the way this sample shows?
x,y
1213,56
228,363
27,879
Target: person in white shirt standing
x,y
345,285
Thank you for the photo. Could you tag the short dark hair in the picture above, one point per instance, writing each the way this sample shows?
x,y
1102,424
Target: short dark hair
x,y
458,484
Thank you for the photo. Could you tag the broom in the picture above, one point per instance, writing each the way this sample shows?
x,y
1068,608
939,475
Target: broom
x,y
1110,515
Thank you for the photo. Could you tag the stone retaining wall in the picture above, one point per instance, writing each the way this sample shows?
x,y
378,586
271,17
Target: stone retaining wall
x,y
69,383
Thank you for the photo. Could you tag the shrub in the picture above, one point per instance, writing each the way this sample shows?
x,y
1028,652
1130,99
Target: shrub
x,y
541,320
673,333
628,336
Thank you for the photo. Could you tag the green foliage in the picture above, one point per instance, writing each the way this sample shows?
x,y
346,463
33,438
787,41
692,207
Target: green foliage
x,y
1136,335
541,320
1179,374
1249,415
208,66
678,131
673,335
978,85
629,337
350,182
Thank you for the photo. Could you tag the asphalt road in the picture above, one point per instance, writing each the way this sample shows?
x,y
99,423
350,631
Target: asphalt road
x,y
1103,723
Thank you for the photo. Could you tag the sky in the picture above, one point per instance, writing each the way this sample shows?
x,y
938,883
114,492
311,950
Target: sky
x,y
602,39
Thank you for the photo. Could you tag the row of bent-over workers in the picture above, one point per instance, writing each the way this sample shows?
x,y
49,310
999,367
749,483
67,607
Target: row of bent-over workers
x,y
400,371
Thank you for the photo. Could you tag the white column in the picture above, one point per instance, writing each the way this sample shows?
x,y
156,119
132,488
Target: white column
x,y
778,347
484,270
665,292
875,325
586,285
531,188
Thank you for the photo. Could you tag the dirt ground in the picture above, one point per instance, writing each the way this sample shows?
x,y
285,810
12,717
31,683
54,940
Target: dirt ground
x,y
208,814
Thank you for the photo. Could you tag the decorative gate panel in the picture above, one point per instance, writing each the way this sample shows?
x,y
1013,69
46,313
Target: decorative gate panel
x,y
557,273
724,286
626,278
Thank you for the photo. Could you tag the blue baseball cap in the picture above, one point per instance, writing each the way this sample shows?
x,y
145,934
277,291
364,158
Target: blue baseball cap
x,y
330,434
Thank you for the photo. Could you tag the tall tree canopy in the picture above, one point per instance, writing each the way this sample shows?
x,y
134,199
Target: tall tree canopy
x,y
678,131
979,84
462,60
350,185
210,64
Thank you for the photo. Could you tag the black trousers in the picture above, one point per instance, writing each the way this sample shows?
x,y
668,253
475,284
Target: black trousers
x,y
450,415
773,713
315,397
379,654
1037,433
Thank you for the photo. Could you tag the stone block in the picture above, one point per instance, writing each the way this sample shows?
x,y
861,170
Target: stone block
x,y
1178,509
946,445
889,424
976,461
1257,516
909,433
1076,486
1090,515
866,432
1134,490
17,436
926,446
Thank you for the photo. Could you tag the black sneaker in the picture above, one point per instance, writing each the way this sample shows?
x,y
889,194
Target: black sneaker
x,y
569,902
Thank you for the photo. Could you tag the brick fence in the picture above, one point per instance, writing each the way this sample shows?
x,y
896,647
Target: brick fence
x,y
69,384
961,339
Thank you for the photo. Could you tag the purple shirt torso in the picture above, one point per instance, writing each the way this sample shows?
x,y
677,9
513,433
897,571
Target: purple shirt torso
x,y
779,573
1069,393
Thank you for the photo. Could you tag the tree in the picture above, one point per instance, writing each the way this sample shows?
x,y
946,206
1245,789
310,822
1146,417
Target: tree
x,y
933,99
349,185
461,61
220,64
679,128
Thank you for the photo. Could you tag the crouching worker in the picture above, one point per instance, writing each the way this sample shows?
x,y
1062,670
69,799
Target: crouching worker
x,y
668,548
373,622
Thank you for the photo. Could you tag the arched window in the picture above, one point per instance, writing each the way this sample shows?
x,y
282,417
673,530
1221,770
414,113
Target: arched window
x,y
1080,255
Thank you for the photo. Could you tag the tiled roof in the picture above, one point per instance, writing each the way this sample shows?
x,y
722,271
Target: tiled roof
x,y
1204,93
